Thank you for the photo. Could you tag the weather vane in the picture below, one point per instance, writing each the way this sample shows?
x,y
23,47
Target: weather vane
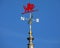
x,y
29,8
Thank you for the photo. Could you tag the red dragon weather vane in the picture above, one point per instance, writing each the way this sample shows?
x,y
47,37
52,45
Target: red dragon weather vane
x,y
29,8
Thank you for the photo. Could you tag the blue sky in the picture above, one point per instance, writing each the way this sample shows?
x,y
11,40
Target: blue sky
x,y
13,31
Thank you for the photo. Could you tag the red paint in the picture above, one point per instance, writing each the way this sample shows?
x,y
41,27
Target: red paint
x,y
29,8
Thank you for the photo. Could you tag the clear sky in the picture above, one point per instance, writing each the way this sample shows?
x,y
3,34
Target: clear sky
x,y
13,31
